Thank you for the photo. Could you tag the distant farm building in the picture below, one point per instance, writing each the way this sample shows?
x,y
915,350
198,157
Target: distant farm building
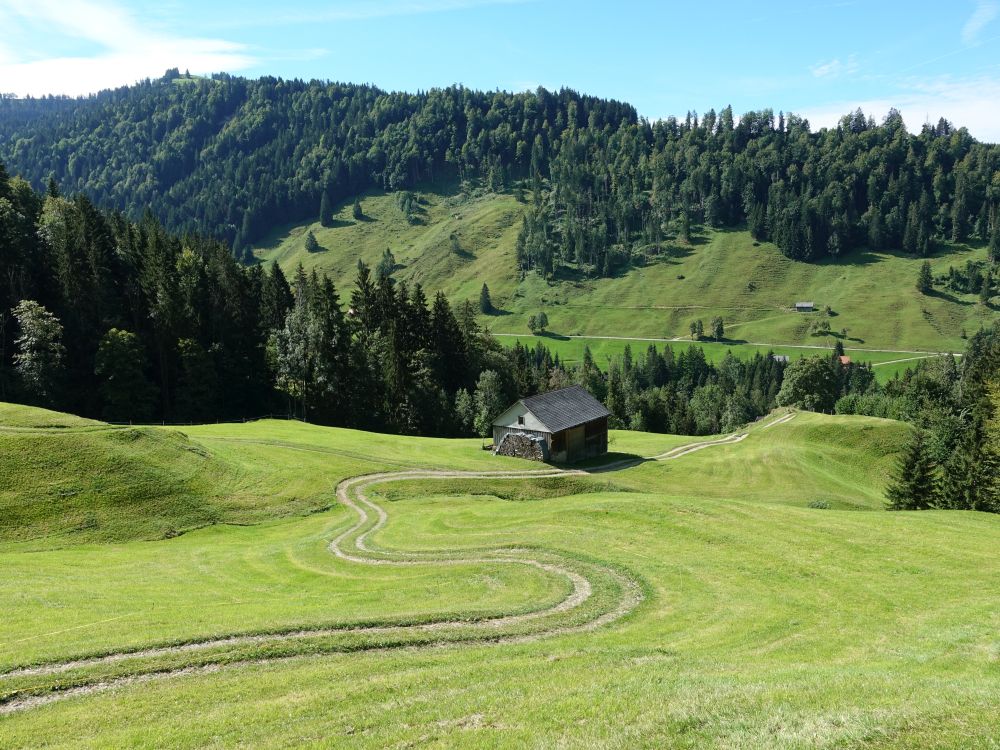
x,y
804,307
845,361
783,358
566,425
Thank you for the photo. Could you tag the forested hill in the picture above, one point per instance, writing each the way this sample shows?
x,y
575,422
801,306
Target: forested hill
x,y
232,157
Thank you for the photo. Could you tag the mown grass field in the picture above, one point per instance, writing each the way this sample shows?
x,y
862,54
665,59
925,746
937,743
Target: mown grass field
x,y
750,285
886,364
764,622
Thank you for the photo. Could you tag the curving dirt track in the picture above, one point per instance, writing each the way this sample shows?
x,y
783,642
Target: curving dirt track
x,y
576,612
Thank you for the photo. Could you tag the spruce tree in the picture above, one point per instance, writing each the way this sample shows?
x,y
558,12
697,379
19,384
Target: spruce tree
x,y
970,475
925,280
488,402
325,209
386,265
311,244
914,486
126,393
485,303
356,210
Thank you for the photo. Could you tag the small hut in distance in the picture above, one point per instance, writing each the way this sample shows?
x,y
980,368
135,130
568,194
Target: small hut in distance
x,y
804,307
565,425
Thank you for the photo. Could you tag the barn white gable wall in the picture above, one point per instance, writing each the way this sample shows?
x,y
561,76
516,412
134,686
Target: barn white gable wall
x,y
509,419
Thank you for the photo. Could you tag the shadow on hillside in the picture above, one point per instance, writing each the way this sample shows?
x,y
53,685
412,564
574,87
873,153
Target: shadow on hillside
x,y
611,461
670,255
550,335
498,312
839,335
725,340
339,224
857,258
697,238
948,297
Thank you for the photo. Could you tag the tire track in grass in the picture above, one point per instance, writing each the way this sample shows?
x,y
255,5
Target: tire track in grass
x,y
353,545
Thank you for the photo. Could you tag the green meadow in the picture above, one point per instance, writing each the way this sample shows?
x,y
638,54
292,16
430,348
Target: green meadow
x,y
886,364
461,240
779,605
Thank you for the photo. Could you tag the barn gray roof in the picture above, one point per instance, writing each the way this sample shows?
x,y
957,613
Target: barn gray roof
x,y
565,408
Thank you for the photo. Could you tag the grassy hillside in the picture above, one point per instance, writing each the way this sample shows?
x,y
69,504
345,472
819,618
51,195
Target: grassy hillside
x,y
764,622
484,227
66,480
886,364
750,285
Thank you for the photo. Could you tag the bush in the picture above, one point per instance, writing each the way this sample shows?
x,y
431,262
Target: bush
x,y
820,504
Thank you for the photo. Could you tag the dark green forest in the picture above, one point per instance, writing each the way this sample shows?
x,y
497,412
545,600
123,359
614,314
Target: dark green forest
x,y
953,460
230,158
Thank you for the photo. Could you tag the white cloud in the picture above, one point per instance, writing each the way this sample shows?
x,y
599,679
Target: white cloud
x,y
127,49
985,12
835,68
973,103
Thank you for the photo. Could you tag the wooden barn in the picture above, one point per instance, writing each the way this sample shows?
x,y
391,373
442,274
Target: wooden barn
x,y
564,426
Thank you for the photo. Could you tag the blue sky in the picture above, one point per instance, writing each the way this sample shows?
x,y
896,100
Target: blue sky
x,y
819,59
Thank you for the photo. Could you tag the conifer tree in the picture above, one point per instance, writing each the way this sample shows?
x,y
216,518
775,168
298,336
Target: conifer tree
x,y
386,265
325,209
914,485
925,280
971,474
489,402
275,299
485,303
125,391
311,244
356,210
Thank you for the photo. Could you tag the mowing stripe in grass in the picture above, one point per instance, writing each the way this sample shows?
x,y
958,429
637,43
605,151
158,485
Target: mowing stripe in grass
x,y
575,613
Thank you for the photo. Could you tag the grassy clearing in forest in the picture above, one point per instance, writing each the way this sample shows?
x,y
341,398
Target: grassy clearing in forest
x,y
459,241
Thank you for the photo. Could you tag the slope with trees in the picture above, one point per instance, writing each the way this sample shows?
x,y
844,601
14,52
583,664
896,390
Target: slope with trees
x,y
235,157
